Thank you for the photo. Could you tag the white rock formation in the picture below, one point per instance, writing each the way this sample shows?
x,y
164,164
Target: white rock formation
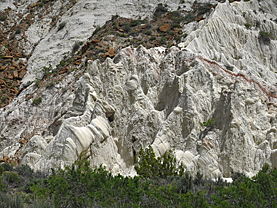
x,y
158,97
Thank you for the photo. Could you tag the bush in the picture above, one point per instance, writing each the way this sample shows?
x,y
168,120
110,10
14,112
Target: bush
x,y
76,46
6,167
148,32
3,18
170,32
264,37
18,30
11,176
126,27
61,26
114,17
10,201
134,23
37,101
131,33
185,184
3,99
247,25
81,186
160,10
163,41
148,166
204,8
238,177
208,123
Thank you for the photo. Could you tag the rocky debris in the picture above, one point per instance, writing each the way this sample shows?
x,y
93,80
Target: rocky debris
x,y
110,53
142,32
11,73
5,159
24,25
164,28
77,28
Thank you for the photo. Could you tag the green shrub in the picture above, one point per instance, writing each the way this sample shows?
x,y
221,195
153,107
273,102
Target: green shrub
x,y
170,32
238,177
3,99
18,30
245,192
24,170
123,35
62,63
134,23
3,18
163,40
11,201
148,32
189,18
114,25
81,186
76,46
47,70
37,101
148,166
61,26
51,84
175,14
185,184
247,25
37,81
160,10
230,68
126,27
176,25
114,17
2,170
97,29
11,176
7,166
148,26
264,37
3,185
208,123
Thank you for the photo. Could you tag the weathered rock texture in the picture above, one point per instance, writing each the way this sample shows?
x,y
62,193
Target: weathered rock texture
x,y
222,72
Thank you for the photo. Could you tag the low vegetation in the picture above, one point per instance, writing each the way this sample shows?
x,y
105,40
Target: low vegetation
x,y
81,186
247,25
148,166
208,123
61,26
264,37
37,101
3,18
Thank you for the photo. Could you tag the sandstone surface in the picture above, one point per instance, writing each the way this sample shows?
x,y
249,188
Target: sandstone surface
x,y
212,99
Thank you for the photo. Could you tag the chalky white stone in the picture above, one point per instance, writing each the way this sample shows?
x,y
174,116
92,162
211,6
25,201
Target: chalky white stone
x,y
159,97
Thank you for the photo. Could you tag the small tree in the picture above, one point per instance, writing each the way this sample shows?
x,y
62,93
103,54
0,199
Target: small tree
x,y
148,166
